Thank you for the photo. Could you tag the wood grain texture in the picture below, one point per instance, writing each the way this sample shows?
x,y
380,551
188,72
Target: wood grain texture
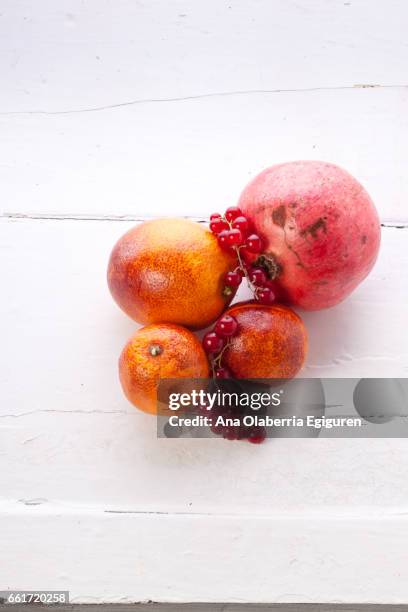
x,y
74,55
194,156
170,108
130,557
69,435
115,111
82,467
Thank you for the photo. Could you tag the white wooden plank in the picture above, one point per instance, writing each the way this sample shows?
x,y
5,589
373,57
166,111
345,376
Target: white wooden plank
x,y
213,607
73,55
150,108
191,157
69,436
138,557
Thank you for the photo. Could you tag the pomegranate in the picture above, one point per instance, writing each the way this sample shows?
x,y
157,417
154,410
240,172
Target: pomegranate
x,y
320,231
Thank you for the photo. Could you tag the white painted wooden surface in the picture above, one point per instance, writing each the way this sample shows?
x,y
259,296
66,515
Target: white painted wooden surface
x,y
112,109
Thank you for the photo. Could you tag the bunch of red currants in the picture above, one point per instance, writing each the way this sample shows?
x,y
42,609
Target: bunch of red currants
x,y
255,434
216,341
234,234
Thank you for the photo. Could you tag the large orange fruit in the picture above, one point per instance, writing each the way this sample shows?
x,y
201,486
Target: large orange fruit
x,y
156,352
170,270
270,342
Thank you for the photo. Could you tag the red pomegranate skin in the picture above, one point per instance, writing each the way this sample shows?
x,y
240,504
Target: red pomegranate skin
x,y
319,225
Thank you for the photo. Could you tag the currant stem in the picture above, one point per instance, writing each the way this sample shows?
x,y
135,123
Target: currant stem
x,y
216,362
251,286
241,266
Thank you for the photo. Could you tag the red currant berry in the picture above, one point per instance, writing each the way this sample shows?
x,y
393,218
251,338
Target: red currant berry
x,y
215,216
226,326
232,213
257,435
254,244
222,373
212,342
241,223
244,431
235,237
223,239
265,295
204,410
218,430
271,284
218,225
257,276
233,279
231,433
247,257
